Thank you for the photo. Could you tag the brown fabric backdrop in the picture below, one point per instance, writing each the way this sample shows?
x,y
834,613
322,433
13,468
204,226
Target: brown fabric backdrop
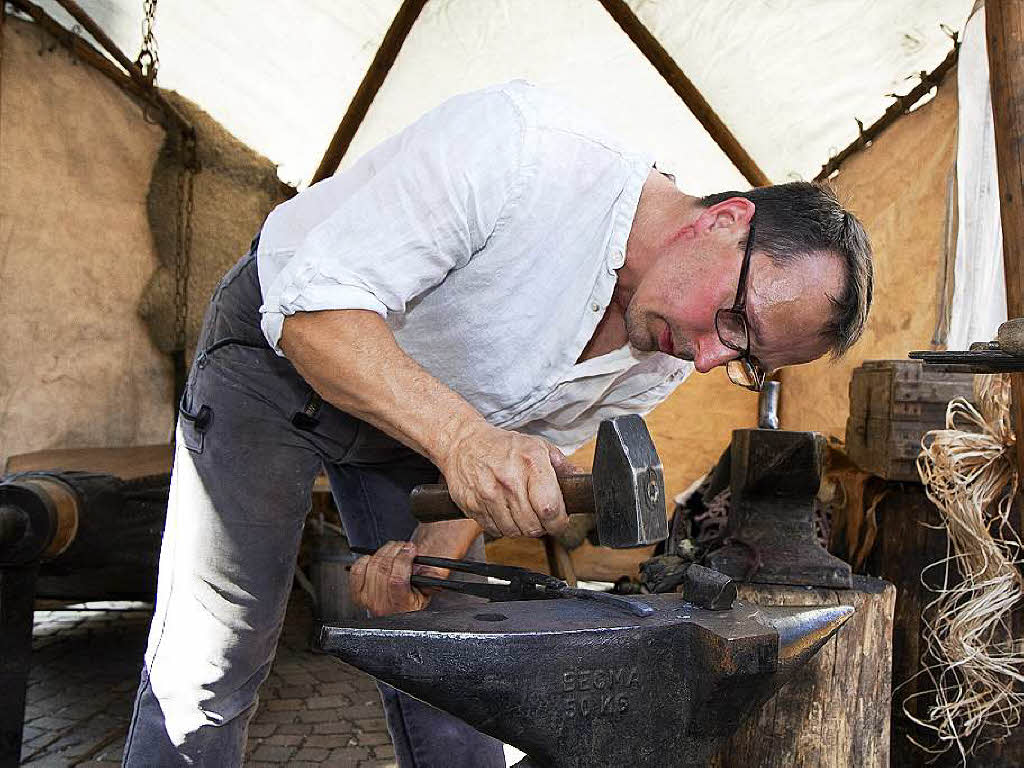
x,y
898,187
77,367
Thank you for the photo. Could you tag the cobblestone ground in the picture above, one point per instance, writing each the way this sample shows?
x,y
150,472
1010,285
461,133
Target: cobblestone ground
x,y
313,710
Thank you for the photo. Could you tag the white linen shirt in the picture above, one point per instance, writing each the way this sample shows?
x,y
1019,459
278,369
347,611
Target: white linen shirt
x,y
487,234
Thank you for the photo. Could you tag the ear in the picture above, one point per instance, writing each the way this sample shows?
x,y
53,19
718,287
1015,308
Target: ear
x,y
733,213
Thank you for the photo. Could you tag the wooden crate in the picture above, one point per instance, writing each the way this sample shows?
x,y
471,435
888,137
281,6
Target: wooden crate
x,y
892,404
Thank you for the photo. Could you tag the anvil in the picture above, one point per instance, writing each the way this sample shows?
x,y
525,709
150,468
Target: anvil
x,y
579,684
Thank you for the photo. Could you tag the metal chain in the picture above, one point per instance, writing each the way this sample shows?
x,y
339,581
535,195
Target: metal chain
x,y
182,261
149,59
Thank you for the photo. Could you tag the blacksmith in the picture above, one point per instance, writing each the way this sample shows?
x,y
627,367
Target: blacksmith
x,y
472,297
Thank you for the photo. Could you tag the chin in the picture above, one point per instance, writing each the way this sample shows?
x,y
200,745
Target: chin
x,y
646,343
639,334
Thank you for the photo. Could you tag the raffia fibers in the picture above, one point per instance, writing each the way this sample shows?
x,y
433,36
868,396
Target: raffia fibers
x,y
975,664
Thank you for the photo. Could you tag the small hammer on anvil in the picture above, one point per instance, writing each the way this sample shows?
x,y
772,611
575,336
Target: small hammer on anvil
x,y
625,493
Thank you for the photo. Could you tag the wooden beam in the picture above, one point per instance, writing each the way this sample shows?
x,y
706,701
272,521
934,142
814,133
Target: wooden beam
x,y
138,87
1004,32
894,112
134,71
372,81
686,90
78,14
79,47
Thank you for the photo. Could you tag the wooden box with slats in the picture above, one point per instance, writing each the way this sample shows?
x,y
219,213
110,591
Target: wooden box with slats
x,y
892,404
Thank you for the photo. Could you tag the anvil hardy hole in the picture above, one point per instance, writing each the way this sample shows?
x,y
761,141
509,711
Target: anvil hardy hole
x,y
490,617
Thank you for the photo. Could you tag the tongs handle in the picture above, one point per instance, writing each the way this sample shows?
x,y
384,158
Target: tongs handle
x,y
506,572
478,588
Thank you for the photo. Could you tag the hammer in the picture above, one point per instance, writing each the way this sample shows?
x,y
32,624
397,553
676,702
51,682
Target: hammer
x,y
625,493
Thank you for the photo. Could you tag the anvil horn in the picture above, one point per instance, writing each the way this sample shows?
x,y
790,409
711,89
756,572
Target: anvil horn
x,y
802,634
576,684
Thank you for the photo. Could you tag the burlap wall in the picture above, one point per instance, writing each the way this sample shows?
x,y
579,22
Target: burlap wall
x,y
234,191
898,188
77,367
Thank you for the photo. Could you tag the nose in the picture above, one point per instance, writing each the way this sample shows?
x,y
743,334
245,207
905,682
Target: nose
x,y
711,353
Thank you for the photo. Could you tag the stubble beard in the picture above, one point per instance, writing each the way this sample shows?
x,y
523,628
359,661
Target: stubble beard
x,y
637,331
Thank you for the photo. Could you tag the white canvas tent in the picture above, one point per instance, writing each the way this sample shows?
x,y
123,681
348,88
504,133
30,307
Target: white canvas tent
x,y
788,77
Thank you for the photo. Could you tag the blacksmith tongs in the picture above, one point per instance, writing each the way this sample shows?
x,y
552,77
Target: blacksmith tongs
x,y
521,584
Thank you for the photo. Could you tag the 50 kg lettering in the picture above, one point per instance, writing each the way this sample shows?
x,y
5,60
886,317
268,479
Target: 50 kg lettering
x,y
596,705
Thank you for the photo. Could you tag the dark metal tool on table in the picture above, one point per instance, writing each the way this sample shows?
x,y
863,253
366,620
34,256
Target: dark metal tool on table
x,y
521,584
1003,355
577,684
626,492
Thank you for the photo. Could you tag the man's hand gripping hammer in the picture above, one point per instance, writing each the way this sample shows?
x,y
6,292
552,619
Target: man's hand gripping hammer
x,y
625,493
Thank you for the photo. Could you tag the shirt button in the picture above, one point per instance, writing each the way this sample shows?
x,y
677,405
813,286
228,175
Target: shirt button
x,y
617,259
595,306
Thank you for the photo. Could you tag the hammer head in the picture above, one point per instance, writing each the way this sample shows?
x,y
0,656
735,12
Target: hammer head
x,y
629,485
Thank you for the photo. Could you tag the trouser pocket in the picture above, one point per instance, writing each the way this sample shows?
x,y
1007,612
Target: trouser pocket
x,y
194,425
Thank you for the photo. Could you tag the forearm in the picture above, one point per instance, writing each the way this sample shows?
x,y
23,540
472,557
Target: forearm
x,y
504,480
351,359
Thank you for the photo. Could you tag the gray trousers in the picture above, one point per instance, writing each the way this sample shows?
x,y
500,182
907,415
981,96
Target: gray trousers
x,y
251,438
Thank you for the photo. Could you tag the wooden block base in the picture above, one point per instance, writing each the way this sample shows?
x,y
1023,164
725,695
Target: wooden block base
x,y
834,713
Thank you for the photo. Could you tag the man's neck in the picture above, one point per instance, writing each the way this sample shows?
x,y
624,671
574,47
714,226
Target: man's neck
x,y
662,215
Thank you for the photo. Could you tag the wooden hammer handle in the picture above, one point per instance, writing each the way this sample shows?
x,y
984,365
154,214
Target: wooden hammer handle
x,y
432,503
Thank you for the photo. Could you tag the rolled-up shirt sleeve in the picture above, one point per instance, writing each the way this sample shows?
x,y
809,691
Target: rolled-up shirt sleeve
x,y
428,199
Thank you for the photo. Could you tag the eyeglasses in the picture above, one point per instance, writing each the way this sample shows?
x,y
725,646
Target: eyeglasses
x,y
733,330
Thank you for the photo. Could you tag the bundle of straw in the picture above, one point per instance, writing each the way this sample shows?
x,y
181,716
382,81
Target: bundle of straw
x,y
971,657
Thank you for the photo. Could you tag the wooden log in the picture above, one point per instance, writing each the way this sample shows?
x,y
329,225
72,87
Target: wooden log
x,y
1004,34
909,542
834,713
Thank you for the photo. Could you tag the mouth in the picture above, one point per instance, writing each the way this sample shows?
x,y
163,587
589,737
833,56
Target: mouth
x,y
665,343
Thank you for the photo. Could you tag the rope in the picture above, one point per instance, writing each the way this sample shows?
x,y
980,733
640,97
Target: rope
x,y
974,664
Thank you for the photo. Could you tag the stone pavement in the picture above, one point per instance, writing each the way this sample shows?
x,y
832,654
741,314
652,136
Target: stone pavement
x,y
314,711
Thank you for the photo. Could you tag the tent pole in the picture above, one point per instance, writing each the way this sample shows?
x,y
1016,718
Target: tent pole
x,y
78,14
1004,32
893,112
686,90
372,81
81,49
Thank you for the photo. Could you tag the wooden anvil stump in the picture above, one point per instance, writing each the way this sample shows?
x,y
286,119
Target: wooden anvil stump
x,y
834,712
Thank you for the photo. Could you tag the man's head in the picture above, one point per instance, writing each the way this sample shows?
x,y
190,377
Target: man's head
x,y
807,290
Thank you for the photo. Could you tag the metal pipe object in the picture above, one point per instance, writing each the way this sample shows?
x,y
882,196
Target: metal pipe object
x,y
96,535
578,684
69,535
13,523
38,518
768,405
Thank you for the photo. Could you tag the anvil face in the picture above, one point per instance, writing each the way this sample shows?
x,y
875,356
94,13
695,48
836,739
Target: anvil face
x,y
577,684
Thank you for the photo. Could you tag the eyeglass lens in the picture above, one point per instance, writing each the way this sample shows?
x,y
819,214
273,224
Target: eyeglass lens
x,y
732,330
